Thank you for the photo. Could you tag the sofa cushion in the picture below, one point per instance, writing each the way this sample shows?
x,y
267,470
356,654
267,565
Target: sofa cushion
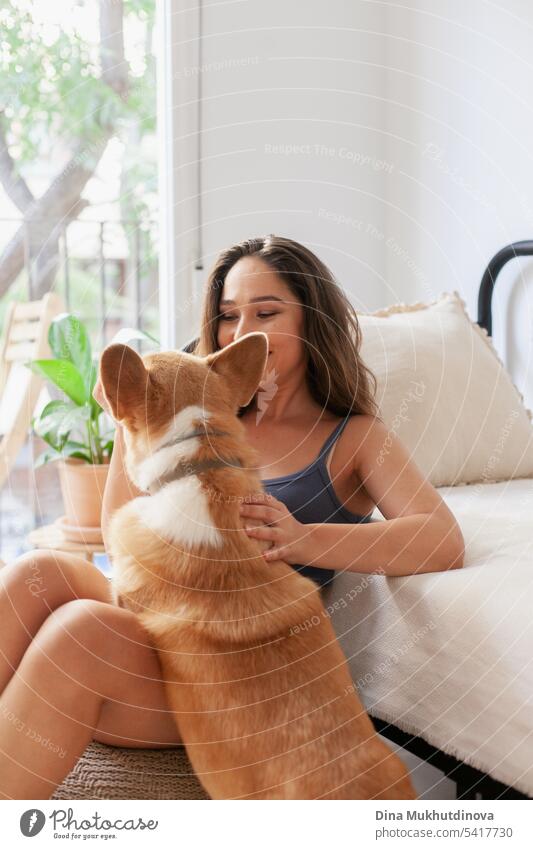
x,y
443,390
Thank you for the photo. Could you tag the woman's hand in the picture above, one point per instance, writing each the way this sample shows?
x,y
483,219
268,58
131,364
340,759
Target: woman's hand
x,y
99,397
288,536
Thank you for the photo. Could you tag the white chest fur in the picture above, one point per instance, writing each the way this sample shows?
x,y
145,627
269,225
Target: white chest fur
x,y
180,513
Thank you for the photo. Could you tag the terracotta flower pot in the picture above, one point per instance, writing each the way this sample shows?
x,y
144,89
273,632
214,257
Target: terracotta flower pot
x,y
82,487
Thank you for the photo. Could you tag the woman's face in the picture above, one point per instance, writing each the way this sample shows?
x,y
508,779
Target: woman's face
x,y
254,297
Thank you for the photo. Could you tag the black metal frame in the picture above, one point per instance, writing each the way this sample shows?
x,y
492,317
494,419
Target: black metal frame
x,y
486,287
471,783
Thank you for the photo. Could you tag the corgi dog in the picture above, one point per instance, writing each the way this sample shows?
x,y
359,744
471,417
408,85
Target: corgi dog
x,y
266,708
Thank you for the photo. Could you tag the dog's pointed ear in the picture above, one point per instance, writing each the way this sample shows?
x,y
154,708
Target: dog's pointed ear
x,y
124,381
242,364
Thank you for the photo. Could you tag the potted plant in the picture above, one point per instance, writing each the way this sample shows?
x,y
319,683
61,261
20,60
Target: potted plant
x,y
78,432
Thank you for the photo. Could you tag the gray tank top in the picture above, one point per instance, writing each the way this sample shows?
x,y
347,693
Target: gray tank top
x,y
310,497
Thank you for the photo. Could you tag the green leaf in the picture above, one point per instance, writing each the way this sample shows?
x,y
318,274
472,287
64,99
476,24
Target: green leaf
x,y
126,334
52,407
77,449
96,409
49,423
46,457
107,448
70,449
77,417
64,375
49,438
69,340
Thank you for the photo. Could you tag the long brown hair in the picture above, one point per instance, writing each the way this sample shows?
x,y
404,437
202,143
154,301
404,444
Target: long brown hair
x,y
343,384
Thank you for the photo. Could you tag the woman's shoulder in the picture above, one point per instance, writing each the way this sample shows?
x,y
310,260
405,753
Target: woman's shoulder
x,y
373,445
352,452
364,424
362,433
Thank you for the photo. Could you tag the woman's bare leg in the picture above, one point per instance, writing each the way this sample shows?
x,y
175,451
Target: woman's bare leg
x,y
89,673
31,587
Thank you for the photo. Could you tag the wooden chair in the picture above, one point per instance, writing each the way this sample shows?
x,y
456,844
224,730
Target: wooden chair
x,y
25,336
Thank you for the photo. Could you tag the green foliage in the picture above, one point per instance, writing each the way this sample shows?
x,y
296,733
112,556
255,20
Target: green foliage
x,y
71,427
53,97
74,426
53,103
85,294
49,88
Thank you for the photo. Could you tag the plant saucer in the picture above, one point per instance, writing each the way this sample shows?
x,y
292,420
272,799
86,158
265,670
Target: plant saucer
x,y
78,533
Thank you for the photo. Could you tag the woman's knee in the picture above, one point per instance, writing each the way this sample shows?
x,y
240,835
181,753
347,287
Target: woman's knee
x,y
55,577
83,622
97,641
105,650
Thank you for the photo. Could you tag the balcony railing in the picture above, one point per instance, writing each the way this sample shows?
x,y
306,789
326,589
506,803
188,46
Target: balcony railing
x,y
106,273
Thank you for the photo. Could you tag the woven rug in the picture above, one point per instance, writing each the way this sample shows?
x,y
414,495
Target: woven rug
x,y
109,772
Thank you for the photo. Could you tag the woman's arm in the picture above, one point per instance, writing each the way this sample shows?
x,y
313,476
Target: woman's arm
x,y
119,489
421,534
405,546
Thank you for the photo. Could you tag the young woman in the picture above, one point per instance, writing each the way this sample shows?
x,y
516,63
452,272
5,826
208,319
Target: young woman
x,y
74,667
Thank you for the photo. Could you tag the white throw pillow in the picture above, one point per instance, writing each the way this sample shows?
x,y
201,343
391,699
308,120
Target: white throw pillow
x,y
443,390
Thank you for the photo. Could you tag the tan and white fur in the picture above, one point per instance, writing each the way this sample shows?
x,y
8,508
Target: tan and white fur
x,y
266,707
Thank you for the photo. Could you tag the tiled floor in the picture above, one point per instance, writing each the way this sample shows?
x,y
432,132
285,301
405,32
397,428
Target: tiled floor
x,y
30,499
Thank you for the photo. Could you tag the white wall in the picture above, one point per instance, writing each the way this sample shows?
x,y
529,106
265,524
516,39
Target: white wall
x,y
404,139
460,118
292,140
